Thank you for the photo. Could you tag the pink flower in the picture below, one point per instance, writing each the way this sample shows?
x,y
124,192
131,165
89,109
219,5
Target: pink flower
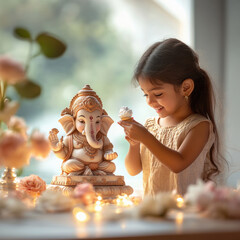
x,y
11,71
84,192
216,201
40,145
14,150
17,124
227,207
32,185
204,199
209,186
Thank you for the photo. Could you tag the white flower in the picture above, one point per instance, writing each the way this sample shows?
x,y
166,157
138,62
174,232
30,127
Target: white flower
x,y
53,201
195,190
11,207
157,205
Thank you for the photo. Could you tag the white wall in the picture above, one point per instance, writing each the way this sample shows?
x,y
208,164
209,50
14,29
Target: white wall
x,y
232,89
217,40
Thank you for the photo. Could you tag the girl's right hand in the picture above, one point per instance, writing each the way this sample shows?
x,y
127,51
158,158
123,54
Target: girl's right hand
x,y
131,141
134,131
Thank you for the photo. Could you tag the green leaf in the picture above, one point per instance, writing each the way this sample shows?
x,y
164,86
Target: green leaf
x,y
22,34
50,46
28,89
19,172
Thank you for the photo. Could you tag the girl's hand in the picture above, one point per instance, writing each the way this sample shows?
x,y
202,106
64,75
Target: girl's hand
x,y
131,142
134,131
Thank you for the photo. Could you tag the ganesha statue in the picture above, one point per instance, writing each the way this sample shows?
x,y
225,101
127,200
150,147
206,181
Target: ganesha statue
x,y
86,149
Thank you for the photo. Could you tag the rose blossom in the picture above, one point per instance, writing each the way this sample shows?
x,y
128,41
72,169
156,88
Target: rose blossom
x,y
14,150
11,71
17,124
32,184
84,192
40,145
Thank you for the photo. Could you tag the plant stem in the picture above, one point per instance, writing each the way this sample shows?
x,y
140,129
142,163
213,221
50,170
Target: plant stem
x,y
29,57
36,54
3,88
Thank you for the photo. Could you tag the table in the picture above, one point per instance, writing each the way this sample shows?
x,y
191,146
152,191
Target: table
x,y
63,226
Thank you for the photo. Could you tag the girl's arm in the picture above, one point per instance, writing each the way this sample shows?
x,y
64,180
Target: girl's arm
x,y
133,162
176,161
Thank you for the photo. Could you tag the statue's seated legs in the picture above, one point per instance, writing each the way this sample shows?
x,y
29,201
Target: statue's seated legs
x,y
106,166
73,166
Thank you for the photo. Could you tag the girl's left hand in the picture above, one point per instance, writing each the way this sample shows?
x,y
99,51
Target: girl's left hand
x,y
134,130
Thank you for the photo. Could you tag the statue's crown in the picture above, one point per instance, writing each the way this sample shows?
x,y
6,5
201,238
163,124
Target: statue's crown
x,y
86,98
86,90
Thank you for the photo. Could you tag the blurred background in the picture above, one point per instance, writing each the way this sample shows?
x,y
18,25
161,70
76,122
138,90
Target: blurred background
x,y
105,39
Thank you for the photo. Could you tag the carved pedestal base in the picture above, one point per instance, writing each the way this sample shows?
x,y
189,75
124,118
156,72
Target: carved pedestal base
x,y
107,186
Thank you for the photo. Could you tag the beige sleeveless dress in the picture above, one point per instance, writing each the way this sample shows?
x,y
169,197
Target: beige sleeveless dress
x,y
159,178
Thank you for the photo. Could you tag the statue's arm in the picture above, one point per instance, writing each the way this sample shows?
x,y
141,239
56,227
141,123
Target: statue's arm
x,y
107,145
59,147
108,150
64,150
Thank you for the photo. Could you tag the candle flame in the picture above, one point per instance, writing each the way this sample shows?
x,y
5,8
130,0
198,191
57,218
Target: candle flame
x,y
99,198
98,208
80,215
124,201
179,201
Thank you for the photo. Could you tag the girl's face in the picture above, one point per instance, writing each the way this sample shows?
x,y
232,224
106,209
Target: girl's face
x,y
165,98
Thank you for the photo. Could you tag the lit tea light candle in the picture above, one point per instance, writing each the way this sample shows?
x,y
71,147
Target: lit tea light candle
x,y
124,201
98,204
99,198
98,208
179,201
80,215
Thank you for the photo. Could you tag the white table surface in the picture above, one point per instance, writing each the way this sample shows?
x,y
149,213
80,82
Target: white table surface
x,y
63,226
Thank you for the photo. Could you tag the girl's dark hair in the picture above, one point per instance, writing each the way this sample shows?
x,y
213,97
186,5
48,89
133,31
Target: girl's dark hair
x,y
172,61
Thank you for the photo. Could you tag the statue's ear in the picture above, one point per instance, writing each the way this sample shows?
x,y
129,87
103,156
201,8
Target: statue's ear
x,y
68,123
106,124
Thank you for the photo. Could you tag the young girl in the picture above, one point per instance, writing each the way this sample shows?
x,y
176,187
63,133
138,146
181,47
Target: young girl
x,y
178,146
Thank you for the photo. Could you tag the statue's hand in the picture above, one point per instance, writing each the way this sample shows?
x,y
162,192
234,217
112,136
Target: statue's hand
x,y
55,144
110,155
